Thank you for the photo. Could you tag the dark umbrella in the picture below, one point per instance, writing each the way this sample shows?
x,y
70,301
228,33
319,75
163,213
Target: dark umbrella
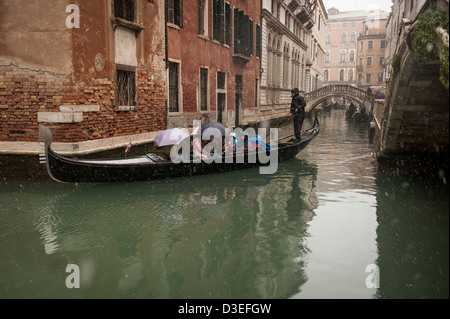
x,y
215,125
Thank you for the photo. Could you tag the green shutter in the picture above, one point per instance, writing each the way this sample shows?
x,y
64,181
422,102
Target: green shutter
x,y
228,23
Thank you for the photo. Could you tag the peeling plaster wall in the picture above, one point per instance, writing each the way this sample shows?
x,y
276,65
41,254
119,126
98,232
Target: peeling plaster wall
x,y
53,67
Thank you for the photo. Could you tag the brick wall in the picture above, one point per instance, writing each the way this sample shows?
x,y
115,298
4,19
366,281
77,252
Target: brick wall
x,y
25,92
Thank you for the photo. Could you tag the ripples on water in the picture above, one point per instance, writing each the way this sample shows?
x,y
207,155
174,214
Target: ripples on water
x,y
308,231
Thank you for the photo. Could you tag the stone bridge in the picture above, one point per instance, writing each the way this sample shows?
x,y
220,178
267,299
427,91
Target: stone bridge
x,y
316,97
414,123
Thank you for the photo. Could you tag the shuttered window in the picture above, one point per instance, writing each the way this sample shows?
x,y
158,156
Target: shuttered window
x,y
124,9
174,9
222,21
258,41
173,87
203,89
243,33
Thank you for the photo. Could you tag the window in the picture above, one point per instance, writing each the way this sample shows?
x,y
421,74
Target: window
x,y
380,60
202,17
353,37
328,38
221,95
341,75
175,12
342,57
126,87
351,57
383,44
353,24
256,91
350,75
344,25
369,61
360,79
258,41
243,33
287,19
368,77
361,45
361,60
380,77
238,97
370,45
325,75
220,80
124,9
173,87
285,66
344,37
222,21
203,89
327,56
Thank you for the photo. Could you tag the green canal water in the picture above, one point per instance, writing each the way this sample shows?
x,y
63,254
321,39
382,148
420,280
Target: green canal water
x,y
326,225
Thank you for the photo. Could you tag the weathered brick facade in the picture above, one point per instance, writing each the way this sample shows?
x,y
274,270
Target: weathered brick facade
x,y
52,70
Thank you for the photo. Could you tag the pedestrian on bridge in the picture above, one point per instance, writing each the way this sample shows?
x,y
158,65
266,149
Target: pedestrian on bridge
x,y
298,105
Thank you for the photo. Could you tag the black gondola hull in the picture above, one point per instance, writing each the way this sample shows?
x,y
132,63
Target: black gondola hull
x,y
65,169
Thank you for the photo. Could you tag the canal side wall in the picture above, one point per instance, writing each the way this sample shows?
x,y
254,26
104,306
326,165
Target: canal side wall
x,y
69,78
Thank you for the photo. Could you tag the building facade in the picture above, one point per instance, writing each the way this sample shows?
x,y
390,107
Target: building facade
x,y
371,51
289,27
315,58
341,43
89,70
214,61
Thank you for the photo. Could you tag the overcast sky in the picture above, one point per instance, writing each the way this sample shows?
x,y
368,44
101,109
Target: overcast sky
x,y
350,5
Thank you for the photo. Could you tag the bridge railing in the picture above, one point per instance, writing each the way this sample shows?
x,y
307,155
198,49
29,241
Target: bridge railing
x,y
337,89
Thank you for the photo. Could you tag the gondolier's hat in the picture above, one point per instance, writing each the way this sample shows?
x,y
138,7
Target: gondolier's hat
x,y
295,91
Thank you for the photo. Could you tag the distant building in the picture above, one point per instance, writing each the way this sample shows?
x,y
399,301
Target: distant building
x,y
214,61
341,43
89,70
371,51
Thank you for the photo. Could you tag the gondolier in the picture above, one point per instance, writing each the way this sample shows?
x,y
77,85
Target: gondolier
x,y
298,105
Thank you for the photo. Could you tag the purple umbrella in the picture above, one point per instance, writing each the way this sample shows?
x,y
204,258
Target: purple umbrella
x,y
170,136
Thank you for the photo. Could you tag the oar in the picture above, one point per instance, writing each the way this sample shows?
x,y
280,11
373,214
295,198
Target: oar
x,y
280,124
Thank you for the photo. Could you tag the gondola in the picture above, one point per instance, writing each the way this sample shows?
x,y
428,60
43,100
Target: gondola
x,y
152,167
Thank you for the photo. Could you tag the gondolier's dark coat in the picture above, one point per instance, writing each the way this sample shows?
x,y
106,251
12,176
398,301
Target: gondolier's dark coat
x,y
298,103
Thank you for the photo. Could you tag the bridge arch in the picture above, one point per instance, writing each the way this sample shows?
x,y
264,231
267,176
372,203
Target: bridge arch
x,y
316,97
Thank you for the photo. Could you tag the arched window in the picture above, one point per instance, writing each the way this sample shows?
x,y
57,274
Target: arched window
x,y
269,61
350,75
328,38
327,56
325,76
342,56
351,56
344,37
352,37
341,75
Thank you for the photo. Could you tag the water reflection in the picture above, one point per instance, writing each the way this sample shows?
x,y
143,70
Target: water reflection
x,y
412,237
232,235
